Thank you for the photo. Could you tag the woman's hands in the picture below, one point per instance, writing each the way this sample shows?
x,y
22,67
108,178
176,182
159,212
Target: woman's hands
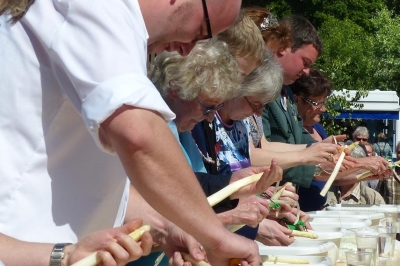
x,y
272,174
271,233
250,211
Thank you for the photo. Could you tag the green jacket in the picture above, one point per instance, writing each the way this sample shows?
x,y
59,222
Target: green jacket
x,y
285,125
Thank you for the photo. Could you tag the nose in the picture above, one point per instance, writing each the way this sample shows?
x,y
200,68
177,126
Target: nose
x,y
210,116
259,111
323,108
306,71
185,48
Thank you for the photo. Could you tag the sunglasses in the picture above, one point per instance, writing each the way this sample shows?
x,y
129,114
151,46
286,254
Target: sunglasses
x,y
208,24
254,106
361,139
207,110
315,104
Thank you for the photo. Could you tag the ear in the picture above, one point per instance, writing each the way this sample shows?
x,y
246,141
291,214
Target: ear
x,y
297,99
172,94
281,52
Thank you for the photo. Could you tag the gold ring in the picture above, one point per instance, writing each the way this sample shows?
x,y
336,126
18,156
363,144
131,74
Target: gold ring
x,y
329,157
201,248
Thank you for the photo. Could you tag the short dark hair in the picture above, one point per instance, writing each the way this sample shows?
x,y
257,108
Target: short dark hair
x,y
315,84
302,33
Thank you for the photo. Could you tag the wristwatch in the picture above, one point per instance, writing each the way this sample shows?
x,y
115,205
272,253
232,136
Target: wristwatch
x,y
318,170
57,254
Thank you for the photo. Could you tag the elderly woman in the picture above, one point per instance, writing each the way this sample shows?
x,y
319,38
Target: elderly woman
x,y
310,93
361,134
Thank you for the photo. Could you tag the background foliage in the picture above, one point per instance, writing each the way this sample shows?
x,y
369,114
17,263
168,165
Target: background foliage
x,y
361,44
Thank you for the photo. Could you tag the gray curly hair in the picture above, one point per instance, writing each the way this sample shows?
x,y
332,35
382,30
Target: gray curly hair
x,y
209,69
264,82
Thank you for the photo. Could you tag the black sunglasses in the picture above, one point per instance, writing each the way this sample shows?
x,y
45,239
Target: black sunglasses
x,y
207,18
361,139
207,110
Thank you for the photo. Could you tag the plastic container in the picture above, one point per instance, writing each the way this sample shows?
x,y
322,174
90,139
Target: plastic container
x,y
374,217
347,223
326,249
314,261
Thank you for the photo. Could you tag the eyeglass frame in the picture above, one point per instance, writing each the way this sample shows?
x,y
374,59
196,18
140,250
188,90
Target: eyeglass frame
x,y
361,139
253,106
208,24
207,110
313,103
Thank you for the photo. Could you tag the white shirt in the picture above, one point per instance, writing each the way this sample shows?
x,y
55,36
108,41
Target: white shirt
x,y
65,68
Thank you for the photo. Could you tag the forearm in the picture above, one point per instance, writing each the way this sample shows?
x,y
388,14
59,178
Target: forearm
x,y
282,147
262,157
348,177
139,208
159,171
15,252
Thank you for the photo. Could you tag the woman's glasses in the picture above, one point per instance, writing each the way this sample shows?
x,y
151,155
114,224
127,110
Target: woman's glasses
x,y
207,110
315,104
361,139
254,106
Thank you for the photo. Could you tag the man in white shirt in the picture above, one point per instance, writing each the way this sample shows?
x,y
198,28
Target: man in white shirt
x,y
73,67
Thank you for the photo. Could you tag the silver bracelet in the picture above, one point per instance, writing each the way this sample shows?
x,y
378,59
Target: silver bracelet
x,y
57,254
327,172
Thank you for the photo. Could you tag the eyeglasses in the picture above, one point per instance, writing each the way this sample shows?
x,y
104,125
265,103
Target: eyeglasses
x,y
255,107
361,139
208,24
315,104
207,110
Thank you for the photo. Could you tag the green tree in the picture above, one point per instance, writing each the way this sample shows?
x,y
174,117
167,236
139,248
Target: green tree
x,y
386,48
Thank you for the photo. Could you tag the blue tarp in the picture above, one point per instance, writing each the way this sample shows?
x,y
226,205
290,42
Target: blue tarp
x,y
391,115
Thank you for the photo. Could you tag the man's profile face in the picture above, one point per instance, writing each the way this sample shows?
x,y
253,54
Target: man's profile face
x,y
189,25
297,63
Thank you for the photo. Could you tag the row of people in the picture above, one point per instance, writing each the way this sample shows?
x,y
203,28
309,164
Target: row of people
x,y
54,170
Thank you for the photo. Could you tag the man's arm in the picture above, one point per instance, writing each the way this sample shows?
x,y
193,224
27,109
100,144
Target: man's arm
x,y
159,171
113,246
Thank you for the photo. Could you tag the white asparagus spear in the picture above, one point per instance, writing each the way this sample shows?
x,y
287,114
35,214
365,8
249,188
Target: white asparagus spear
x,y
304,234
232,188
333,175
92,259
336,169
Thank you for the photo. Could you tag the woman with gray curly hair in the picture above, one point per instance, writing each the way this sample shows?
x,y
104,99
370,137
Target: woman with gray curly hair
x,y
196,86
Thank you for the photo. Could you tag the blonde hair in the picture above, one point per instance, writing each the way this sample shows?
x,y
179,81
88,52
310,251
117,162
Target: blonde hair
x,y
244,39
209,69
15,8
264,82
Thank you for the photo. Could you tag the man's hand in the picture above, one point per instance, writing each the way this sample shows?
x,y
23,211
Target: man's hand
x,y
271,233
114,246
175,239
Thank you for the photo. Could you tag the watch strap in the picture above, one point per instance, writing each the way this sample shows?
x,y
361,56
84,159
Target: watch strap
x,y
57,254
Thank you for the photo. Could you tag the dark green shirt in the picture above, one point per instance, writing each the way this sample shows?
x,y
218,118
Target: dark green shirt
x,y
282,123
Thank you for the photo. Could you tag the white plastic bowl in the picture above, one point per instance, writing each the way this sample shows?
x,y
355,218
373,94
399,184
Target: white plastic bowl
x,y
314,261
